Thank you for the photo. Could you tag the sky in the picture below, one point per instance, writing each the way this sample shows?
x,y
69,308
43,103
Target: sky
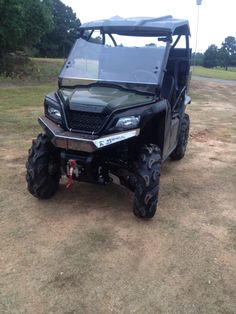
x,y
217,19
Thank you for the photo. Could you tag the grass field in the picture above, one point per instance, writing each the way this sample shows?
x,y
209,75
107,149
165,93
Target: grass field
x,y
20,106
39,70
84,252
215,73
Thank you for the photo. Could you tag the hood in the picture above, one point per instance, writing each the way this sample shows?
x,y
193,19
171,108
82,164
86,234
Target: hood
x,y
97,98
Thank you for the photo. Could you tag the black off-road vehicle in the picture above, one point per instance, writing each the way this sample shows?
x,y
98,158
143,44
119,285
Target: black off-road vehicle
x,y
119,109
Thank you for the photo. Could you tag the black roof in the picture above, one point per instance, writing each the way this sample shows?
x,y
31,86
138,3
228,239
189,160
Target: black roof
x,y
141,25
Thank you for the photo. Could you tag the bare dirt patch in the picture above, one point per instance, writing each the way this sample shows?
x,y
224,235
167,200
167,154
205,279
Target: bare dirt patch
x,y
84,252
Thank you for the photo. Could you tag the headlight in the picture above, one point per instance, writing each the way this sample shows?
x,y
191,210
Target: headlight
x,y
128,122
54,113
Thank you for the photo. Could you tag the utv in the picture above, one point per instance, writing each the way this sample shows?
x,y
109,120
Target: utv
x,y
119,109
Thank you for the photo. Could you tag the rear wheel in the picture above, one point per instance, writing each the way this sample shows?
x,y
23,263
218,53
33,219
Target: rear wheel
x,y
43,168
179,152
147,182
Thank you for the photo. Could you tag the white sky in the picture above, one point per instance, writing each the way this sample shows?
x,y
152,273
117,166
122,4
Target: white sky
x,y
217,18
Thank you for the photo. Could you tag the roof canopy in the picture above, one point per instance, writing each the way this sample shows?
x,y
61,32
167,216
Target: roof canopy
x,y
141,26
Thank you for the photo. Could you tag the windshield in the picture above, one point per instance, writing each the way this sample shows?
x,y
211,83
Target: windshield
x,y
115,61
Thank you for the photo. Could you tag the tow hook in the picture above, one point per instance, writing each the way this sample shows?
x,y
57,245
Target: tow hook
x,y
71,166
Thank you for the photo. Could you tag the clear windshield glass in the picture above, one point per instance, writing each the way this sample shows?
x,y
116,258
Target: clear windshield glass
x,y
98,62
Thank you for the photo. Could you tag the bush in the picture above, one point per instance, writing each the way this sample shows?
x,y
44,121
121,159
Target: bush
x,y
16,64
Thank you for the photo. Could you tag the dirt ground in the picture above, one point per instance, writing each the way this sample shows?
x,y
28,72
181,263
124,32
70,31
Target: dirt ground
x,y
84,252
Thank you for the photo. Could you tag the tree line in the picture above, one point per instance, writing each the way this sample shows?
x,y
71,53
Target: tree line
x,y
224,56
46,28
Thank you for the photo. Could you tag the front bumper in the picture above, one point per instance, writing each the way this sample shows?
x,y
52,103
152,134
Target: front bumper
x,y
80,142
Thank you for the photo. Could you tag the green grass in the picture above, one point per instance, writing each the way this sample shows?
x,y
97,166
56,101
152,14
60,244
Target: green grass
x,y
215,73
20,107
21,98
38,70
48,60
47,69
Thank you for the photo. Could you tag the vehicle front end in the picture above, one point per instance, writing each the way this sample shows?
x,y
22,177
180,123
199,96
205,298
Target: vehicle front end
x,y
107,87
109,114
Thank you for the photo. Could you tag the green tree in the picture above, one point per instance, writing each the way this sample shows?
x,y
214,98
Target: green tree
x,y
58,42
22,23
210,57
197,59
223,58
229,45
233,60
227,53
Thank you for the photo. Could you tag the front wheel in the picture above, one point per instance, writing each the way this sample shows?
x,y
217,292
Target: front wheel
x,y
42,168
179,152
147,182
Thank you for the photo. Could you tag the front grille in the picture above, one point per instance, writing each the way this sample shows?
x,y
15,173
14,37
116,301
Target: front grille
x,y
86,121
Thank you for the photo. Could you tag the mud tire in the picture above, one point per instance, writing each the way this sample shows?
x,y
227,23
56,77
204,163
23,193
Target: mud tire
x,y
179,152
147,182
42,168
